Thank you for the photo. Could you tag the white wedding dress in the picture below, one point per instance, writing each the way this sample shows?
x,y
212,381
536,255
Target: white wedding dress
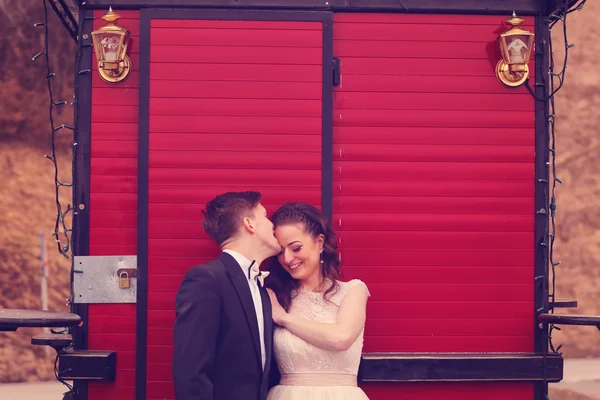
x,y
309,372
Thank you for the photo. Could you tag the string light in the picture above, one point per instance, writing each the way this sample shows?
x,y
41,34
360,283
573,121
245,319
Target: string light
x,y
550,183
63,242
558,16
66,17
64,248
57,371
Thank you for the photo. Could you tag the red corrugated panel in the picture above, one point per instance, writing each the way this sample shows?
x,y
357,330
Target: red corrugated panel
x,y
113,209
114,184
115,112
224,90
235,142
246,72
389,135
425,101
106,96
270,106
114,201
427,153
228,25
277,126
206,54
234,177
176,195
107,149
132,81
424,84
434,118
429,19
167,212
240,36
229,110
434,191
114,130
257,160
429,222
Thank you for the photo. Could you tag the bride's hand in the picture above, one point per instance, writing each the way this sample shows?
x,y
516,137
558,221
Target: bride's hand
x,y
279,313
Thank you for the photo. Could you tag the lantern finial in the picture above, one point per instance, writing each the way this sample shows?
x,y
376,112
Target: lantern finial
x,y
514,20
111,16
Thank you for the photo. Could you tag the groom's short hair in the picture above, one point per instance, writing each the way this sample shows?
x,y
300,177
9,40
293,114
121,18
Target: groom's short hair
x,y
224,214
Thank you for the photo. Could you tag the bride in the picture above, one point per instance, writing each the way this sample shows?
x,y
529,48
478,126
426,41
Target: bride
x,y
320,320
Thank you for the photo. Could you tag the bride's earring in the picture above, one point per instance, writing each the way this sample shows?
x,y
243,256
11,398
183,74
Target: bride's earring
x,y
321,257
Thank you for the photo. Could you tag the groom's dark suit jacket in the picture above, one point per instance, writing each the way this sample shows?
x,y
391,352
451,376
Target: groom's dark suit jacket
x,y
216,340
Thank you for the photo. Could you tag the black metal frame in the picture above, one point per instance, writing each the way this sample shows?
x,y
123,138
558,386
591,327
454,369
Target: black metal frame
x,y
62,11
522,7
143,139
81,175
141,312
541,225
463,367
327,119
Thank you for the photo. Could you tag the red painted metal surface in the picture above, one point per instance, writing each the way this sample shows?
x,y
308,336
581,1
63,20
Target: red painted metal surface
x,y
433,191
113,210
234,120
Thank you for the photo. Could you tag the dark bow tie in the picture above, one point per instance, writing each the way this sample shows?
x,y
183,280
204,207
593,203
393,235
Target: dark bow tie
x,y
255,273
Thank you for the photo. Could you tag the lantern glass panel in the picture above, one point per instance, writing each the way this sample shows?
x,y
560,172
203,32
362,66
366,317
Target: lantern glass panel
x,y
517,47
111,43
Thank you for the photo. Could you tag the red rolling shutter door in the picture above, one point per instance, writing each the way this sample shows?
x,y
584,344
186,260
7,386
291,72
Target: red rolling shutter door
x,y
434,190
234,105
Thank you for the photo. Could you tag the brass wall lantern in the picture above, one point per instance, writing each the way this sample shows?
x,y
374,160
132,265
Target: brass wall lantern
x,y
110,45
515,45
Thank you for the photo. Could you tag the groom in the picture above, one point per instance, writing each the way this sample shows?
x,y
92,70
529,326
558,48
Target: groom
x,y
223,334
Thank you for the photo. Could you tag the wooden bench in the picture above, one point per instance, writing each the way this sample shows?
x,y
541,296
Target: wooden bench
x,y
564,319
58,341
564,303
13,319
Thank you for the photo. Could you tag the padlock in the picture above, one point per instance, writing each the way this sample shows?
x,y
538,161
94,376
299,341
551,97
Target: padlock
x,y
124,282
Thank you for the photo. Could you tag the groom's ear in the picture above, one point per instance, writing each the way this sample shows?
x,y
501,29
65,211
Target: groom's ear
x,y
248,225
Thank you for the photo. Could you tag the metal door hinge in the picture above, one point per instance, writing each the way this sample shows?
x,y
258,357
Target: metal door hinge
x,y
336,71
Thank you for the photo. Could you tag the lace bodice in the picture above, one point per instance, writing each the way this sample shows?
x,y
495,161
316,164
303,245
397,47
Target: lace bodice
x,y
294,355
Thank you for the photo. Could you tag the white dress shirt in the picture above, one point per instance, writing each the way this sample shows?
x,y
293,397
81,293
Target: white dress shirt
x,y
256,299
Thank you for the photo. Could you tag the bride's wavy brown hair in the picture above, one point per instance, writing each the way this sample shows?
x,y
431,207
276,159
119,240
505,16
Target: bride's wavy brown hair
x,y
315,224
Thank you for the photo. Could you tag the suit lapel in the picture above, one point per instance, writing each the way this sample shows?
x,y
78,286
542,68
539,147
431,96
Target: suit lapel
x,y
240,283
268,318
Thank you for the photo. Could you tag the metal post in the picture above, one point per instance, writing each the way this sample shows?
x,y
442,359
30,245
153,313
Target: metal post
x,y
44,279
